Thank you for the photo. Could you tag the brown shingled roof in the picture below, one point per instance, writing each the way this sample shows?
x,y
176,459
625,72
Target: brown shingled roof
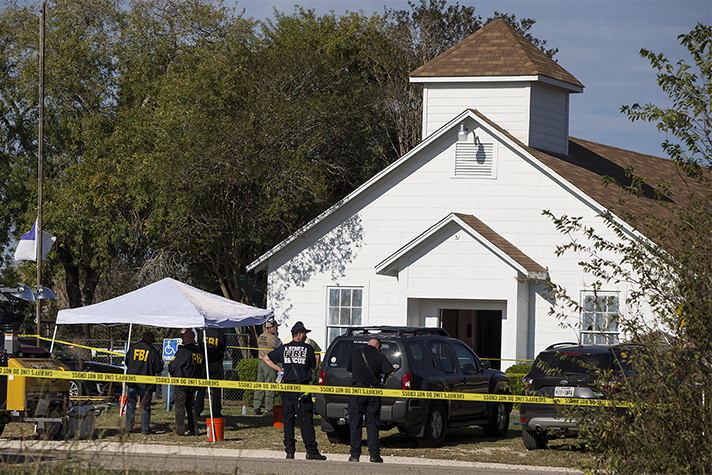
x,y
588,162
497,49
502,244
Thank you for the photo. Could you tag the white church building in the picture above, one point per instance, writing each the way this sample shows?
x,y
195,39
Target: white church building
x,y
452,234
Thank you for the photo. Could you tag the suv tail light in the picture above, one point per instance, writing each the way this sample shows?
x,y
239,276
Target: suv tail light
x,y
322,378
407,381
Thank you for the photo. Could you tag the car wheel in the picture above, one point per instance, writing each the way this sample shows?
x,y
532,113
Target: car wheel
x,y
435,425
75,388
339,436
532,440
498,420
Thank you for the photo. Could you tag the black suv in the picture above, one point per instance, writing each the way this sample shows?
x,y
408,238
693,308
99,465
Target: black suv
x,y
424,359
568,370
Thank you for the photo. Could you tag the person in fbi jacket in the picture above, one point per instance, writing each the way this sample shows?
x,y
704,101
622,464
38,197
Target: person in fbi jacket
x,y
189,362
217,344
141,359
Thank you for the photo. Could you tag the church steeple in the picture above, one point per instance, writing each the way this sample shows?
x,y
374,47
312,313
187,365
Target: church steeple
x,y
499,72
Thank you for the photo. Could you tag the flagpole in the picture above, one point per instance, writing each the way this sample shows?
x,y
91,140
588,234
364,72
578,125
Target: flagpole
x,y
40,155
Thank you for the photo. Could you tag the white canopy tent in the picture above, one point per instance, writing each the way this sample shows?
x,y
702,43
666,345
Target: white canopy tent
x,y
168,303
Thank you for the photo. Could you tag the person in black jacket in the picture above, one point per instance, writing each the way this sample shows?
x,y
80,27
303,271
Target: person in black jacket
x,y
366,367
141,359
188,363
217,344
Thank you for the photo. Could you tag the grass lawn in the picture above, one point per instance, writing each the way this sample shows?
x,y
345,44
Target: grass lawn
x,y
258,432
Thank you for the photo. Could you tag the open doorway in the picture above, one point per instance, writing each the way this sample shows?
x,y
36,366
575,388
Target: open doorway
x,y
480,329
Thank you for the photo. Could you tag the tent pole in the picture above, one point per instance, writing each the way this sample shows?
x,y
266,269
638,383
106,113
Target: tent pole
x,y
207,388
124,400
54,337
128,343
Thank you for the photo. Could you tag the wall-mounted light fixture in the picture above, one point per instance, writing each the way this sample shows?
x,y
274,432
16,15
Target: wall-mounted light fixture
x,y
463,133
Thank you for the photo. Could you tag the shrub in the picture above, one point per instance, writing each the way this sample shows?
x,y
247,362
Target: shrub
x,y
515,374
247,370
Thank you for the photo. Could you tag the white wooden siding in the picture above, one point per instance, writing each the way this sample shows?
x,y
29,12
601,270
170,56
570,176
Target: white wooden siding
x,y
345,248
549,120
535,113
507,104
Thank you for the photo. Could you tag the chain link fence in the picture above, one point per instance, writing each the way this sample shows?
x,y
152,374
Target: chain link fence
x,y
238,348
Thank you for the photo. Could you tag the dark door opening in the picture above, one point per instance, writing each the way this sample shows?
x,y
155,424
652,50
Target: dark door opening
x,y
481,330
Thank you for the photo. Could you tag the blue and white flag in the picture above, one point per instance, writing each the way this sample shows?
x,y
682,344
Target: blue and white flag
x,y
27,247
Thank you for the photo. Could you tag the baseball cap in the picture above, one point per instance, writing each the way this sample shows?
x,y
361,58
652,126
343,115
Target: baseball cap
x,y
299,328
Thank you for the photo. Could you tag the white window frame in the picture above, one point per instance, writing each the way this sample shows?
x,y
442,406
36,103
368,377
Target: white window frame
x,y
345,314
599,317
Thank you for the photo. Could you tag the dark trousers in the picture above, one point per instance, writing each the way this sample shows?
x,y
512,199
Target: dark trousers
x,y
371,407
185,403
143,396
216,372
291,409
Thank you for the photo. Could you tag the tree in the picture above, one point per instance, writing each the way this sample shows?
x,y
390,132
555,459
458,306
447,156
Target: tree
x,y
668,318
257,138
79,88
18,111
689,118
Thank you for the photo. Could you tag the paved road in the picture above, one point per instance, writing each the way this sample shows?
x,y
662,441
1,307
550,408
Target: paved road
x,y
208,460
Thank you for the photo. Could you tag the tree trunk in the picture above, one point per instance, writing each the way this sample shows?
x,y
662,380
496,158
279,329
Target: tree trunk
x,y
79,294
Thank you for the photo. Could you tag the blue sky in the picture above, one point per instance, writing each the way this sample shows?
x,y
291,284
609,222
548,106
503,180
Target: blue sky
x,y
599,43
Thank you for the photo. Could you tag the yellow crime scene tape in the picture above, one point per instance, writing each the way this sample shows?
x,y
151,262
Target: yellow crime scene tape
x,y
103,350
40,372
72,345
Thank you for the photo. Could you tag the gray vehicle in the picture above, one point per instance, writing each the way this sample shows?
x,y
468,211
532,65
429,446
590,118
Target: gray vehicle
x,y
424,359
567,370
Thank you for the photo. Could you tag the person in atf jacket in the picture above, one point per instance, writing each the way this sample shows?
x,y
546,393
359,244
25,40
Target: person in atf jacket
x,y
189,362
141,359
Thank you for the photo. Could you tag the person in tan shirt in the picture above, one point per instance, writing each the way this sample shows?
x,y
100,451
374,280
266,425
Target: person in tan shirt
x,y
266,342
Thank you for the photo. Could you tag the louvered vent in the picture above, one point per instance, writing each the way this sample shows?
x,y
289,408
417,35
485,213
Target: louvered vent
x,y
474,160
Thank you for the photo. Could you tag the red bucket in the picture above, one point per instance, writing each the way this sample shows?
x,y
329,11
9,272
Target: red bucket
x,y
218,425
277,415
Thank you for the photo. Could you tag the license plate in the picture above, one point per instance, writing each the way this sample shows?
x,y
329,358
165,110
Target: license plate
x,y
563,391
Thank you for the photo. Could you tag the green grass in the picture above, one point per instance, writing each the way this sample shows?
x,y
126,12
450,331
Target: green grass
x,y
255,432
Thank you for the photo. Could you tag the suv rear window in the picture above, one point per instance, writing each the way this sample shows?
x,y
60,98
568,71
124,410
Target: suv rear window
x,y
441,354
561,363
343,349
420,356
